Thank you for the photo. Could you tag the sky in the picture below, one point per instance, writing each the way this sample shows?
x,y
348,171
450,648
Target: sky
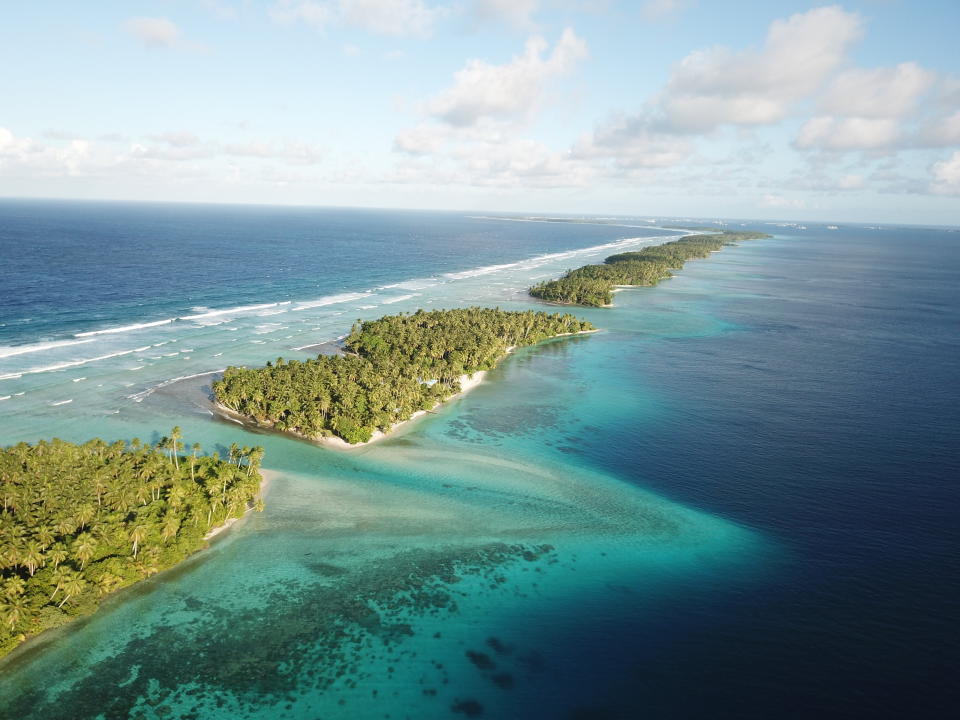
x,y
770,109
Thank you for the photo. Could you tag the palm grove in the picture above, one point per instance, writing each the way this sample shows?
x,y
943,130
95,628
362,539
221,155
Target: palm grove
x,y
594,284
79,521
394,367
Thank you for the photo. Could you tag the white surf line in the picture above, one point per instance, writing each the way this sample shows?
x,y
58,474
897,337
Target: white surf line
x,y
62,402
125,328
64,365
232,311
538,260
330,300
390,301
6,352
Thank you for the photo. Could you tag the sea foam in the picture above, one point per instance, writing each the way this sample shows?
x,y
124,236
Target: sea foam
x,y
6,352
125,328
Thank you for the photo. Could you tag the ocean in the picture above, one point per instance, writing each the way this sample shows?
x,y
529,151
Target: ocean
x,y
739,499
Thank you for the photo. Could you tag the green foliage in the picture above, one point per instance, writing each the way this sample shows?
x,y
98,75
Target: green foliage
x,y
594,284
79,521
396,366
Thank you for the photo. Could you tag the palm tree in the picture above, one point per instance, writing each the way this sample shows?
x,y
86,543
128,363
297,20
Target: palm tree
x,y
83,515
45,536
137,534
170,526
84,548
57,555
73,586
32,556
14,611
107,582
175,436
59,577
14,587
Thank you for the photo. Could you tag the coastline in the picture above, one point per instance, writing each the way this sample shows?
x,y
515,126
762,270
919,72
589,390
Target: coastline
x,y
36,641
467,383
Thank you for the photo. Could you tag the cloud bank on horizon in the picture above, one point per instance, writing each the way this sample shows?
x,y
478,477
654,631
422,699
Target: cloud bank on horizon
x,y
674,107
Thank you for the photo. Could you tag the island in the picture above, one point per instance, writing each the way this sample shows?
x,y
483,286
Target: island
x,y
594,285
392,369
78,521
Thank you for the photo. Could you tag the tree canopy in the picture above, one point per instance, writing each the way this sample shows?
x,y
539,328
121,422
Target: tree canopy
x,y
594,284
79,521
395,366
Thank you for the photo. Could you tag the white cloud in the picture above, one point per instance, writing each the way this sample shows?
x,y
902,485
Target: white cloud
x,y
631,144
23,155
517,13
482,90
854,133
946,176
382,17
877,92
12,146
153,32
718,86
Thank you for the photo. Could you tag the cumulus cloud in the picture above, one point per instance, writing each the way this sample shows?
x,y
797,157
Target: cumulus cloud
x,y
946,176
872,109
854,133
172,155
382,17
877,92
631,143
469,132
25,155
153,32
718,86
482,90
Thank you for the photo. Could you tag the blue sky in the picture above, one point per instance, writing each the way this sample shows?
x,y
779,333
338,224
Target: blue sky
x,y
791,110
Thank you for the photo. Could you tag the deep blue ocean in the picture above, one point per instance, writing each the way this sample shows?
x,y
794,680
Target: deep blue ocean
x,y
748,481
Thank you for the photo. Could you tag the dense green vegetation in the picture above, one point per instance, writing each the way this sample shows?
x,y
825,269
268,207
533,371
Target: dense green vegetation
x,y
79,521
396,366
594,284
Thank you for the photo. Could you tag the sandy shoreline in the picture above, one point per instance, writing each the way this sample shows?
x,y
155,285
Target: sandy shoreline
x,y
467,383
